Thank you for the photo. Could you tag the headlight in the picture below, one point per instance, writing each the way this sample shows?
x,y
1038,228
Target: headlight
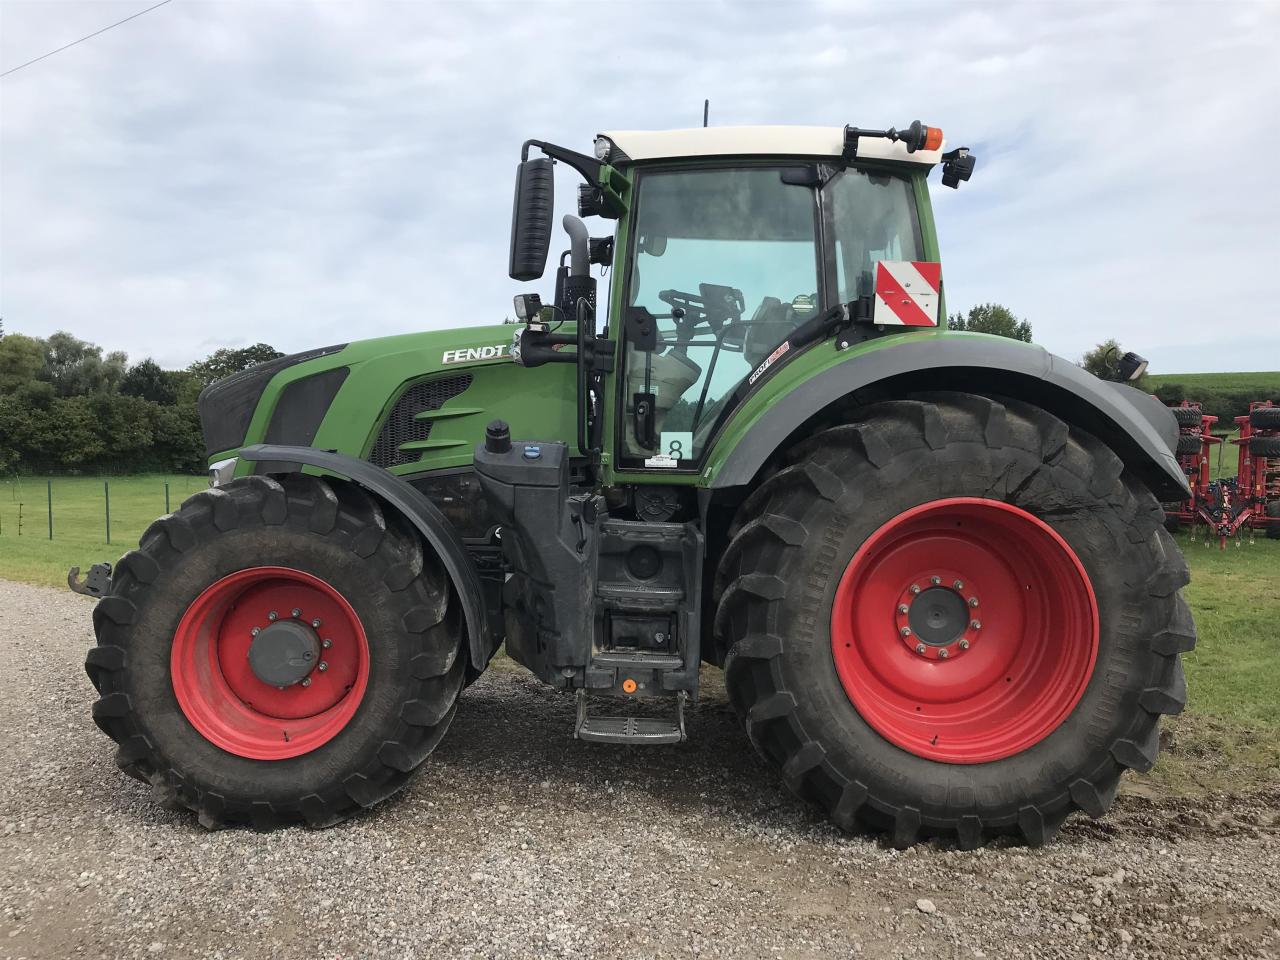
x,y
221,472
604,147
1132,367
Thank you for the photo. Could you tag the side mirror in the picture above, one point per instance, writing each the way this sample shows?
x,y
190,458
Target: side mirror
x,y
531,218
654,246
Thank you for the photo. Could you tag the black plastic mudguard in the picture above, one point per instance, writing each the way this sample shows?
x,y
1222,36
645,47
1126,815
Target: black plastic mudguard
x,y
414,506
1136,425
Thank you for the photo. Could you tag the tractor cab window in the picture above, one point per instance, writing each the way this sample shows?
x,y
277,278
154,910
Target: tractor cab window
x,y
873,218
727,262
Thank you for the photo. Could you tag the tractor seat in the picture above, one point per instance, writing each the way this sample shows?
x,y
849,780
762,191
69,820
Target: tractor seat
x,y
772,323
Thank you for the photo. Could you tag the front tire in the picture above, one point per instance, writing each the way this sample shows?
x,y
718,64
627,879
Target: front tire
x,y
318,570
1031,714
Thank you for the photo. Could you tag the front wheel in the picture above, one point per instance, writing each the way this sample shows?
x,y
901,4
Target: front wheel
x,y
276,652
957,618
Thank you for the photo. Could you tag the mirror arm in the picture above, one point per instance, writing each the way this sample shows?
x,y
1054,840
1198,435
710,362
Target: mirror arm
x,y
589,167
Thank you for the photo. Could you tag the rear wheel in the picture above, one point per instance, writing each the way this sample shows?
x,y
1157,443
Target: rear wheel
x,y
1189,444
276,652
1187,416
1273,528
956,618
1268,447
1265,418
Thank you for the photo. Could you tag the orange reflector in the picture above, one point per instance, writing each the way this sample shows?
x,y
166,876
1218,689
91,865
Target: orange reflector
x,y
628,685
932,138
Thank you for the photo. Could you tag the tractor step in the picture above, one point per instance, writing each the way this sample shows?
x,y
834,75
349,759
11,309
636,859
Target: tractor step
x,y
637,660
633,730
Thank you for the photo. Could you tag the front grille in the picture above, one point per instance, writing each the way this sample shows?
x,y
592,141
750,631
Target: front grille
x,y
401,426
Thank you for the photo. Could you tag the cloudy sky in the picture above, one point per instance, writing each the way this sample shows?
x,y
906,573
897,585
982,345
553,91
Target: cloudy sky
x,y
218,173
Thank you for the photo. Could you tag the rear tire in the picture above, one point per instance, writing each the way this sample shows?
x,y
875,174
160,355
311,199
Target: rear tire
x,y
1273,528
176,606
1187,416
780,579
1268,447
1265,418
1189,444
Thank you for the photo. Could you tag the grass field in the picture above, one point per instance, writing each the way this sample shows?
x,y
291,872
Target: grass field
x,y
1265,384
1228,739
79,530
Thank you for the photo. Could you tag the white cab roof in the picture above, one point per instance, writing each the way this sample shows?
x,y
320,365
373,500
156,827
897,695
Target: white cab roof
x,y
759,141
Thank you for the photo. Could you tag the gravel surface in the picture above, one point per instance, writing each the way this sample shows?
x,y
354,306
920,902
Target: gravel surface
x,y
516,841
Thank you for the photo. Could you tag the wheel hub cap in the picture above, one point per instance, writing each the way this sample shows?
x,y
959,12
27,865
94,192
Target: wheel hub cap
x,y
284,653
938,616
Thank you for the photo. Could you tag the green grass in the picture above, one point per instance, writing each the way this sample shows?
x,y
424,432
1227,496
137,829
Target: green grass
x,y
1229,736
79,531
1266,384
1228,739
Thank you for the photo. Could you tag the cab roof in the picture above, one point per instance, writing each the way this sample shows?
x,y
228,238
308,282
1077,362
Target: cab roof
x,y
642,145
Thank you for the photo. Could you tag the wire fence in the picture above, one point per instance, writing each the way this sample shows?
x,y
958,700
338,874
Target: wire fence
x,y
88,508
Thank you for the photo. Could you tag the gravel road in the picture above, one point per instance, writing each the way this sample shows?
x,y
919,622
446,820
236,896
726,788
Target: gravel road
x,y
516,841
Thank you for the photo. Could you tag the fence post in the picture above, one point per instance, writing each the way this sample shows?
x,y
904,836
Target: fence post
x,y
106,493
49,490
166,497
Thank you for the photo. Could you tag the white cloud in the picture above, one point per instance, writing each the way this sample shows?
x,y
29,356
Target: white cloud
x,y
220,173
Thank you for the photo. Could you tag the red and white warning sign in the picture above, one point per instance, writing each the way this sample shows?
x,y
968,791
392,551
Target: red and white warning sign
x,y
907,293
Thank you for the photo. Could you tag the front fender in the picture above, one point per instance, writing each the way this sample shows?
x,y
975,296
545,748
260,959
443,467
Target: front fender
x,y
414,506
1137,426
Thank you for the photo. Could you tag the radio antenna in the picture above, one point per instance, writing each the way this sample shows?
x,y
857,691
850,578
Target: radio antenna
x,y
706,110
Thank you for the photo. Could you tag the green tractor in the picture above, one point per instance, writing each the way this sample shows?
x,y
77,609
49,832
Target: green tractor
x,y
931,564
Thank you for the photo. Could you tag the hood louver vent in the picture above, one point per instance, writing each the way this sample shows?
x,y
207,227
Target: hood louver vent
x,y
402,425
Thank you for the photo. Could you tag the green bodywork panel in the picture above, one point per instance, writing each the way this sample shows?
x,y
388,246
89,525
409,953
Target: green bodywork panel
x,y
538,403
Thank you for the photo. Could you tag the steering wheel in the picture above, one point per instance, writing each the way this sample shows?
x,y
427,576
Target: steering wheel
x,y
714,306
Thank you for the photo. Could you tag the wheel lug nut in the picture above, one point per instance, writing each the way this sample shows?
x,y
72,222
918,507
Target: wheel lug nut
x,y
935,580
902,608
255,631
905,631
295,612
973,601
964,644
306,681
273,615
919,648
316,622
942,654
326,643
959,584
322,666
915,588
976,624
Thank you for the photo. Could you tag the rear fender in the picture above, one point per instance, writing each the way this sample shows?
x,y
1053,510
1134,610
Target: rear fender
x,y
1137,426
411,504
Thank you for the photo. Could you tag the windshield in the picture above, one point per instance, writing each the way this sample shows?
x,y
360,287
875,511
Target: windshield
x,y
728,261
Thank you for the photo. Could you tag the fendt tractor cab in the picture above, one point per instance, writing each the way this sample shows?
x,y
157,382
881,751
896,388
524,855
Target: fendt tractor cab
x,y
931,564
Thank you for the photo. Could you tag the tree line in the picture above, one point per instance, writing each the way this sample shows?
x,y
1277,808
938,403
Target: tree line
x,y
68,407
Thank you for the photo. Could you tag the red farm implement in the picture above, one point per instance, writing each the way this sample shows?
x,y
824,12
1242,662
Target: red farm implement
x,y
1229,506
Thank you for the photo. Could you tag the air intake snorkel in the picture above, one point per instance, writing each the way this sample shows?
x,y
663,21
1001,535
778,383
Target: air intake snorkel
x,y
574,280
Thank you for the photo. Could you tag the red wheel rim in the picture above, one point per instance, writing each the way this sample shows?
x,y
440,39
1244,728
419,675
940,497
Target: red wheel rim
x,y
225,700
971,686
